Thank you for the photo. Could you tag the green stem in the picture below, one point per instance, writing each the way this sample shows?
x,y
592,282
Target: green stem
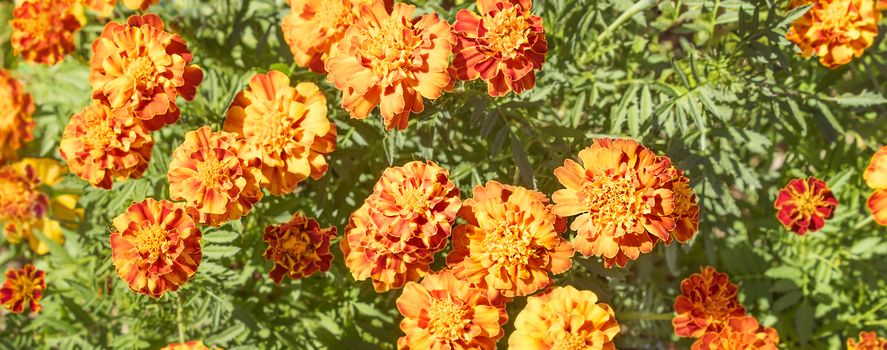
x,y
180,317
644,316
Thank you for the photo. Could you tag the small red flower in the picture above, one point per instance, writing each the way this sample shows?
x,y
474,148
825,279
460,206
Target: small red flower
x,y
804,205
23,288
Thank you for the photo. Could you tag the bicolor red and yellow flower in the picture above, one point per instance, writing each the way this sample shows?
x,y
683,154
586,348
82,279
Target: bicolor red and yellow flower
x,y
393,61
16,111
101,149
867,341
286,128
43,30
875,176
511,241
155,247
707,301
138,69
208,173
564,318
444,312
23,288
836,31
299,248
504,45
191,345
804,205
742,332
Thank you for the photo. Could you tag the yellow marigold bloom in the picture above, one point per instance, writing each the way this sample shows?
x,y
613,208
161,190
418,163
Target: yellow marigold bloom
x,y
155,247
564,318
444,312
139,4
207,172
739,333
138,69
16,123
23,288
867,341
392,60
706,302
511,241
191,345
835,30
43,30
299,248
875,176
286,128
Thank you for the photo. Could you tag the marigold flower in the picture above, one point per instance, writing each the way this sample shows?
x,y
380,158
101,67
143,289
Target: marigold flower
x,y
835,30
299,248
139,4
208,174
739,333
564,318
392,60
876,177
686,210
625,197
804,205
706,302
286,128
191,345
503,45
43,30
867,341
138,69
22,288
510,242
155,247
16,123
104,8
100,148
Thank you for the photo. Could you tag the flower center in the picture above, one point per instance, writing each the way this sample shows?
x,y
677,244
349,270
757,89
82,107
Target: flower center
x,y
152,241
615,201
295,245
98,132
569,341
16,197
507,246
38,25
808,201
24,286
682,198
331,14
412,199
388,49
140,69
835,17
446,319
508,32
211,172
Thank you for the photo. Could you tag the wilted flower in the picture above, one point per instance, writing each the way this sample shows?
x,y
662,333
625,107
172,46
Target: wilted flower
x,y
191,345
876,177
867,341
392,60
510,242
739,333
286,128
804,205
564,318
155,247
503,46
835,30
299,248
43,30
706,302
23,288
16,109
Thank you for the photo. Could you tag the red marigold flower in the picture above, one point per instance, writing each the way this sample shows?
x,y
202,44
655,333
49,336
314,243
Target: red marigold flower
x,y
22,288
835,30
138,69
444,312
392,60
299,248
155,247
16,123
139,4
43,30
286,128
867,341
504,45
804,205
876,177
207,172
191,345
742,332
706,302
564,318
100,148
511,241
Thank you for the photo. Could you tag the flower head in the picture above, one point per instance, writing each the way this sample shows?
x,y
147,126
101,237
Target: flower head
x,y
138,69
207,172
742,332
16,109
286,128
804,205
564,319
511,242
191,345
835,30
43,30
503,45
299,248
23,288
867,341
155,247
392,60
876,177
706,302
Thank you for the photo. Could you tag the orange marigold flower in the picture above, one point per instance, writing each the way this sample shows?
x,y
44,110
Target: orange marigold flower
x,y
444,312
299,248
208,174
100,148
876,177
503,45
625,199
867,341
43,30
882,5
804,205
739,333
138,69
22,288
191,345
286,128
706,302
686,208
16,123
564,318
392,60
139,4
835,30
155,247
511,241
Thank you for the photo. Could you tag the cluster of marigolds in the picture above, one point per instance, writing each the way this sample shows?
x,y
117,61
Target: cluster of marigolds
x,y
509,240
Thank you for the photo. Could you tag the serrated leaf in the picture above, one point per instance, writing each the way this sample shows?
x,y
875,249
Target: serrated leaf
x,y
864,99
219,251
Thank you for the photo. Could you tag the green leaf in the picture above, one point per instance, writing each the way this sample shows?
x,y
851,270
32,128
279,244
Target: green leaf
x,y
804,321
785,272
219,251
864,99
